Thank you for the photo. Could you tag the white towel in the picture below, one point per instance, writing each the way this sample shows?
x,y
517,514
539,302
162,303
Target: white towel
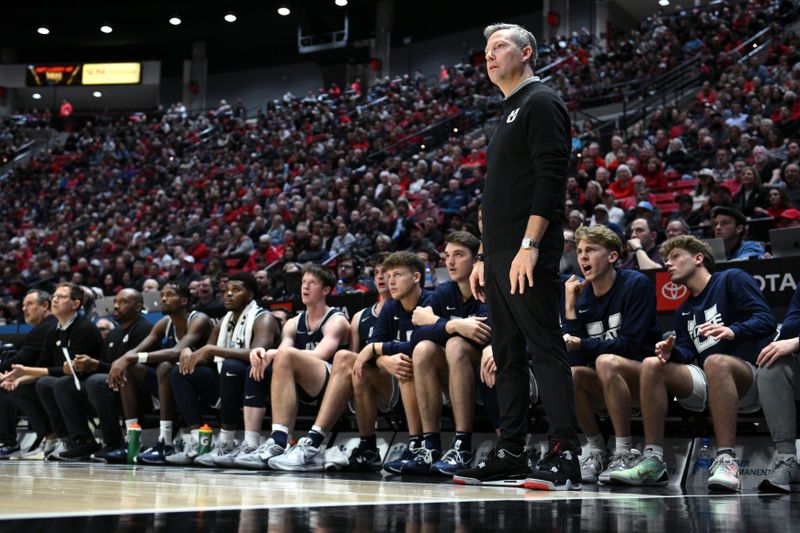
x,y
242,333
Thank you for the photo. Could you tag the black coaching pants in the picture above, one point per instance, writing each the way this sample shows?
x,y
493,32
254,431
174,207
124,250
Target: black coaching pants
x,y
530,318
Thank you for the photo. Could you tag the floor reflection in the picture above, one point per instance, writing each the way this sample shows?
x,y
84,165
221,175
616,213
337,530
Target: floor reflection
x,y
624,513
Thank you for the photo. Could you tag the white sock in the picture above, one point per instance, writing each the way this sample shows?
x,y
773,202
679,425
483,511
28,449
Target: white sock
x,y
595,444
623,444
165,431
319,430
653,450
195,434
280,427
129,422
252,438
726,451
226,436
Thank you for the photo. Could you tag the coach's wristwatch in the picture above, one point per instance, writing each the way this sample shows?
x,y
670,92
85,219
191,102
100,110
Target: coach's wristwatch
x,y
528,244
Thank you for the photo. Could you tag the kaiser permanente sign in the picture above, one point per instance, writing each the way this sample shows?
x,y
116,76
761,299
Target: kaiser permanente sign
x,y
111,73
83,74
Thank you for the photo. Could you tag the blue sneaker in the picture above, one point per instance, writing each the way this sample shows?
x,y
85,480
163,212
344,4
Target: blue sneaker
x,y
422,462
157,455
452,460
7,450
396,466
115,454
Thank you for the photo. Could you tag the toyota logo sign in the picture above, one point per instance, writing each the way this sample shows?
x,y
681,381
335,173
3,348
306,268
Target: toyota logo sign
x,y
673,291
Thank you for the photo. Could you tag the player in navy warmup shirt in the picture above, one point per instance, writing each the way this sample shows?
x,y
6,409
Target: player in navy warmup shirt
x,y
721,327
611,325
778,386
453,334
391,348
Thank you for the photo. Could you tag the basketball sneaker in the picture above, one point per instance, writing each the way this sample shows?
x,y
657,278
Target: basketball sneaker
x,y
259,458
500,469
724,474
558,470
302,457
785,473
647,470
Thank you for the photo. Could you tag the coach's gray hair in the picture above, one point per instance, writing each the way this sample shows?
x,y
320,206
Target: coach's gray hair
x,y
519,35
42,296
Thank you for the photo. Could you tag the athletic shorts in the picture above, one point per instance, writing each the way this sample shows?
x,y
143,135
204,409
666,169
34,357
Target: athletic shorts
x,y
306,399
383,407
150,384
697,401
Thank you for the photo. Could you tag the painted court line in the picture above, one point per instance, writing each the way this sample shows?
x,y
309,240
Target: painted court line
x,y
328,491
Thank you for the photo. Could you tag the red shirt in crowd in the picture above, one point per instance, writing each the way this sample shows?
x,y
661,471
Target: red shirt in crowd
x,y
621,191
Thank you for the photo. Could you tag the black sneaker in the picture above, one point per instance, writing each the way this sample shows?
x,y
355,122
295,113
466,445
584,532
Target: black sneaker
x,y
113,454
79,452
363,460
501,469
559,470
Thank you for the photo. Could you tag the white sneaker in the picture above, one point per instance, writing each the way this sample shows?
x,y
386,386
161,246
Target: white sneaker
x,y
724,474
592,465
302,457
218,450
39,453
229,459
60,447
335,459
185,452
259,459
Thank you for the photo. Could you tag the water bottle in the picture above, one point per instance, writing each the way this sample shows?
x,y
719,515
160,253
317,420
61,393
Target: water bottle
x,y
705,458
134,442
428,277
206,435
340,286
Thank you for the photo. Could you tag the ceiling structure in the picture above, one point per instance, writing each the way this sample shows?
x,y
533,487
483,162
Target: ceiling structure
x,y
259,36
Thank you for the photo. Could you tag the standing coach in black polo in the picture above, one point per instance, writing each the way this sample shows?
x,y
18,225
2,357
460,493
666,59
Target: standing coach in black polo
x,y
523,205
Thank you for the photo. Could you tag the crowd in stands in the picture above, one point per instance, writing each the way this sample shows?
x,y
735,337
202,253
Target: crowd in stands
x,y
216,210
127,199
589,76
173,195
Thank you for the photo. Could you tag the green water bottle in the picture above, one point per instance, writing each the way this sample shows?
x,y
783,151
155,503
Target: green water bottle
x,y
134,442
206,435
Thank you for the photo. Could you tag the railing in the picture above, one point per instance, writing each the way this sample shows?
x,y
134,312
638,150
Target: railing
x,y
756,47
673,86
20,153
543,72
669,87
428,137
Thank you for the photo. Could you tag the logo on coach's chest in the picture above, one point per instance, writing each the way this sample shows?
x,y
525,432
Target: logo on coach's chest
x,y
512,116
